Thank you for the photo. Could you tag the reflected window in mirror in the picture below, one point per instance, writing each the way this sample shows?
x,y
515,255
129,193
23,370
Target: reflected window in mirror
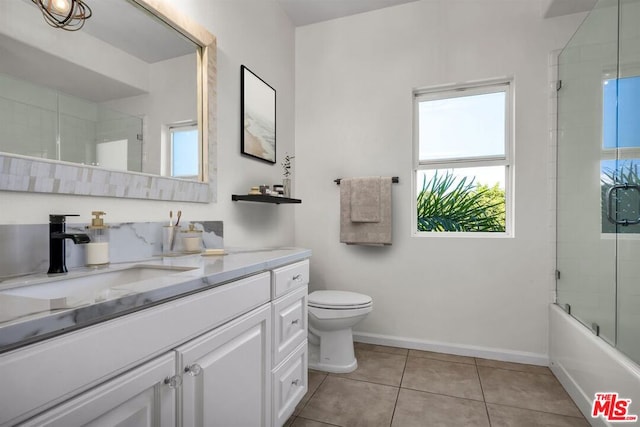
x,y
184,153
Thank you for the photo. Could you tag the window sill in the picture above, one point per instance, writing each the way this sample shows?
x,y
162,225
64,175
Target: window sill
x,y
462,235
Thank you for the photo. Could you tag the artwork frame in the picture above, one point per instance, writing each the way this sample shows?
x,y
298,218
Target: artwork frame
x,y
257,117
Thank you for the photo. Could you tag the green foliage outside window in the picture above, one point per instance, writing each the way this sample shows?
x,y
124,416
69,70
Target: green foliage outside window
x,y
450,203
624,203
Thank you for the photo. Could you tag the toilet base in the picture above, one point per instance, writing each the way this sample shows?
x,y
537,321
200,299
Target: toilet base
x,y
344,367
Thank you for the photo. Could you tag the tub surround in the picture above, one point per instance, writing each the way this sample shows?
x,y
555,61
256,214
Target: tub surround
x,y
208,273
586,365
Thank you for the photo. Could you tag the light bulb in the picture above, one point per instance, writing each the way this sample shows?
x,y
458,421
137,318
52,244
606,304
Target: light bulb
x,y
61,6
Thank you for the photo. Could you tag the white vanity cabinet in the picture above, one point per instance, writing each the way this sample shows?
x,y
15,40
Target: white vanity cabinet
x,y
289,306
143,397
48,373
226,374
234,355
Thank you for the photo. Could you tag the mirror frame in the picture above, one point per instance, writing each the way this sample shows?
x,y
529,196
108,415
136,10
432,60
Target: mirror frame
x,y
30,174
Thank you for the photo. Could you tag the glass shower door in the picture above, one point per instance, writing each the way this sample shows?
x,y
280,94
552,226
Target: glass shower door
x,y
586,243
627,200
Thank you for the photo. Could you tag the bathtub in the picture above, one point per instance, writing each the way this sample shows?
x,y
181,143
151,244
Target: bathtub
x,y
585,365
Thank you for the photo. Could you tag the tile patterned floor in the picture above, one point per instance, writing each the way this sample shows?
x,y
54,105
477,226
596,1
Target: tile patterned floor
x,y
395,387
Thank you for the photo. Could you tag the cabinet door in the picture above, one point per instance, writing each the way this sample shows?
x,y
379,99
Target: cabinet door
x,y
226,374
136,399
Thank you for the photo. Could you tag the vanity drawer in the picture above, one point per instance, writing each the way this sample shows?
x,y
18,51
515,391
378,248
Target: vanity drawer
x,y
290,384
290,277
289,323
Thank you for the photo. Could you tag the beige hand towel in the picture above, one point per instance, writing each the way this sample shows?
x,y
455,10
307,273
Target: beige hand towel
x,y
365,199
365,233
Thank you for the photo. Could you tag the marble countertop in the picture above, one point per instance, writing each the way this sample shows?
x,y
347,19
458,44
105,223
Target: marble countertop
x,y
205,272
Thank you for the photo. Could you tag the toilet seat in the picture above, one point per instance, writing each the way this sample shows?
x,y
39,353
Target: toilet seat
x,y
338,300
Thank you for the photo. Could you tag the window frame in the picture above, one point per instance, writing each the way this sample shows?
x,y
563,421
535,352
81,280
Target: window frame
x,y
456,91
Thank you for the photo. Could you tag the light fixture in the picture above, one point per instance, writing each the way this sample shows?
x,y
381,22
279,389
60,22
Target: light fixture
x,y
66,14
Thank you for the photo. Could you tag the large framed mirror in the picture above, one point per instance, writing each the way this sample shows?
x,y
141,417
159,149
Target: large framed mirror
x,y
125,107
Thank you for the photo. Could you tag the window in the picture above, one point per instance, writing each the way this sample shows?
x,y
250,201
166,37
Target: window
x,y
185,153
462,159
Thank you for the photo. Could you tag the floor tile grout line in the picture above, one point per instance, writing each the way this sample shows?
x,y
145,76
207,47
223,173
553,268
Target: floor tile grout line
x,y
364,381
380,352
484,399
323,422
311,397
408,354
385,352
537,410
395,405
442,394
445,361
516,370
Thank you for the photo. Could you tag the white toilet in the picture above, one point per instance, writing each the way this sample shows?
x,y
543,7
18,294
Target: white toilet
x,y
332,314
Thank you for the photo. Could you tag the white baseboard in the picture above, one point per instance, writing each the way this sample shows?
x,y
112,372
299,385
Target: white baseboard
x,y
458,349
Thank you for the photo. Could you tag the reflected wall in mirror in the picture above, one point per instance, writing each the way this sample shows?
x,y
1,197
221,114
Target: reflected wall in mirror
x,y
126,99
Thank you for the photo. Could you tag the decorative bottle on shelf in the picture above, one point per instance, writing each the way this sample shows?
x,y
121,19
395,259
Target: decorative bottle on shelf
x,y
286,186
286,182
97,251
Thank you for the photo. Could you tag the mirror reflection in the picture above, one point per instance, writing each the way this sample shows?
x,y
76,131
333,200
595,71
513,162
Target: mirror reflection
x,y
120,94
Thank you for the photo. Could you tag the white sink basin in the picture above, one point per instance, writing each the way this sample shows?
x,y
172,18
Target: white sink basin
x,y
68,292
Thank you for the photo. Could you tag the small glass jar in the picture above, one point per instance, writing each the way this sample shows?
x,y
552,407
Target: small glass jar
x,y
192,240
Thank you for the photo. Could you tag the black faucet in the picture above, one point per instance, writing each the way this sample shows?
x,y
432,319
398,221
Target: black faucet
x,y
57,249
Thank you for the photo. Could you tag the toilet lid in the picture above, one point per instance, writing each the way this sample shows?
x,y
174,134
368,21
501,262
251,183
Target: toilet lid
x,y
338,299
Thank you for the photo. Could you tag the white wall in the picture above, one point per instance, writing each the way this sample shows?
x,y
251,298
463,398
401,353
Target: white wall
x,y
256,33
354,81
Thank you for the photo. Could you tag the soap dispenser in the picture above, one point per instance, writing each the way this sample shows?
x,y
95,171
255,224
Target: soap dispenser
x,y
98,250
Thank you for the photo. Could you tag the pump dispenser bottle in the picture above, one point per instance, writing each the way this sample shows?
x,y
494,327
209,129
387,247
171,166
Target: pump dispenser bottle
x,y
98,249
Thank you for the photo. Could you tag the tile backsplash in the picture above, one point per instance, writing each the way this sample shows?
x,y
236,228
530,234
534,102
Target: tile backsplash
x,y
24,249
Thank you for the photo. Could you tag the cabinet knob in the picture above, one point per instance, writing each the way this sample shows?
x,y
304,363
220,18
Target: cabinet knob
x,y
174,381
193,370
295,322
297,277
295,382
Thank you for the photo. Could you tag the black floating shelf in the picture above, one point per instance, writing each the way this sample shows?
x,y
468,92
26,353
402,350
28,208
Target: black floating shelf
x,y
263,198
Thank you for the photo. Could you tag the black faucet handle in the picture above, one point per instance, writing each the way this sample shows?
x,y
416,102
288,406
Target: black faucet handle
x,y
59,218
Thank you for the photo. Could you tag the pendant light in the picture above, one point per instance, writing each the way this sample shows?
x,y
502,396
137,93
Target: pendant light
x,y
66,14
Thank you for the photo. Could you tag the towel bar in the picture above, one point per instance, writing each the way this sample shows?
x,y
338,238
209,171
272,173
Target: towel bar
x,y
394,179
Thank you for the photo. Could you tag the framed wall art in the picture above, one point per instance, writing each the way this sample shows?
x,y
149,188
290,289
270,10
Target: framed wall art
x,y
258,117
